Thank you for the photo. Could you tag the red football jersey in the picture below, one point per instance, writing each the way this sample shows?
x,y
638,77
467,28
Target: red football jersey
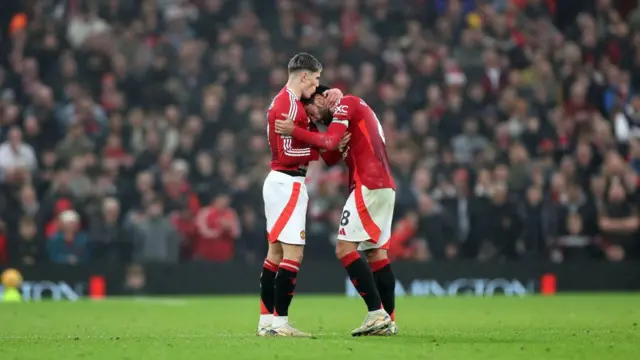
x,y
288,154
366,153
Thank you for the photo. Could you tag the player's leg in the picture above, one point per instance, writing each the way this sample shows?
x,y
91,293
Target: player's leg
x,y
356,227
287,229
385,283
362,279
377,255
360,273
384,278
285,282
267,287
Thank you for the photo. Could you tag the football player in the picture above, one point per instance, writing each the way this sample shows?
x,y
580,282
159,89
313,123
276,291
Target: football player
x,y
367,215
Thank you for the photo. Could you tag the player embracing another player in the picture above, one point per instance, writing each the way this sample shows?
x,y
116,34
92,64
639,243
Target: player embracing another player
x,y
367,215
285,197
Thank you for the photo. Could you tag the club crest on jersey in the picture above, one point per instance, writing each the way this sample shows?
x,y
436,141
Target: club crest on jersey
x,y
303,235
341,110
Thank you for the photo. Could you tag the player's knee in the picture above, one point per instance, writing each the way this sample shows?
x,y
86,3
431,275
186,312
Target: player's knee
x,y
276,259
274,254
374,255
293,252
344,247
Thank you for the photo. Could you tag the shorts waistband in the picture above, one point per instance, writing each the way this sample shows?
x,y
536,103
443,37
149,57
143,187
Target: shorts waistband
x,y
294,173
287,176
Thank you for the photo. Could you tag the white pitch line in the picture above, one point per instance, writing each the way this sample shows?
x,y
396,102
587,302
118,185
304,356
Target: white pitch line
x,y
175,336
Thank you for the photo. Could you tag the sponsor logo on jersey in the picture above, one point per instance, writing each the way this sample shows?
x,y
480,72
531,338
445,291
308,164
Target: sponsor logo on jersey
x,y
341,110
342,232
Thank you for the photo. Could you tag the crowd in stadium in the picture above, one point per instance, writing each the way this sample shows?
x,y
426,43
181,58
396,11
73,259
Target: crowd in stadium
x,y
135,130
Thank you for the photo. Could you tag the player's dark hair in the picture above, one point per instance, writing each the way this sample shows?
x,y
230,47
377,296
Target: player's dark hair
x,y
304,62
319,91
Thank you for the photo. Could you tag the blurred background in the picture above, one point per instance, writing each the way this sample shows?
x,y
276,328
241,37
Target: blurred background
x,y
134,131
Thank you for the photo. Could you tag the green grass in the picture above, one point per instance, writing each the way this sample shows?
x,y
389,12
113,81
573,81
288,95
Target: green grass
x,y
563,327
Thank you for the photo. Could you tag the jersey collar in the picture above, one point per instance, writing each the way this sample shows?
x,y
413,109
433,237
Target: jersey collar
x,y
292,93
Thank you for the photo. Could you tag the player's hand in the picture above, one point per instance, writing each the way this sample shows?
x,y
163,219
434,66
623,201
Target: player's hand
x,y
344,141
285,126
333,96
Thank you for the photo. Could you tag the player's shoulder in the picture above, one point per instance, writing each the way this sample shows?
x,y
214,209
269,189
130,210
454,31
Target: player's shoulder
x,y
349,99
348,104
352,101
283,101
284,97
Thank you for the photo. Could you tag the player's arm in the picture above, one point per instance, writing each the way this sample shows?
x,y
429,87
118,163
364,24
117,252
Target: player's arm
x,y
287,154
331,157
328,140
334,156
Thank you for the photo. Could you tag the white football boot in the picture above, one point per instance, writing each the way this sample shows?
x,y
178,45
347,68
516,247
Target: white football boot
x,y
390,331
287,330
264,325
263,330
375,321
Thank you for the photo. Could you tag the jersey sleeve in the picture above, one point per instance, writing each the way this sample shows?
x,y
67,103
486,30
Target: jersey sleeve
x,y
331,157
343,111
287,153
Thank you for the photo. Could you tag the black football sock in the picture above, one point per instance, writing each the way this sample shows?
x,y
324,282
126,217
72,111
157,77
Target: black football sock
x,y
285,286
362,278
267,287
386,284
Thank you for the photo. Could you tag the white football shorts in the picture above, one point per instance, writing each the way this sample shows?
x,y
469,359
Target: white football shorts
x,y
367,216
285,207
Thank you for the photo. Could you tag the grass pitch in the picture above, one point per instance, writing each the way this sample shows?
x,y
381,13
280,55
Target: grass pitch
x,y
563,327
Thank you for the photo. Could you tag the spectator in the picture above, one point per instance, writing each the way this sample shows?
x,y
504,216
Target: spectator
x,y
17,159
201,176
79,184
27,206
53,225
159,100
469,142
403,232
576,202
576,244
76,143
518,168
619,222
108,239
437,228
69,244
84,25
506,226
183,220
538,218
251,244
28,244
154,237
218,229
